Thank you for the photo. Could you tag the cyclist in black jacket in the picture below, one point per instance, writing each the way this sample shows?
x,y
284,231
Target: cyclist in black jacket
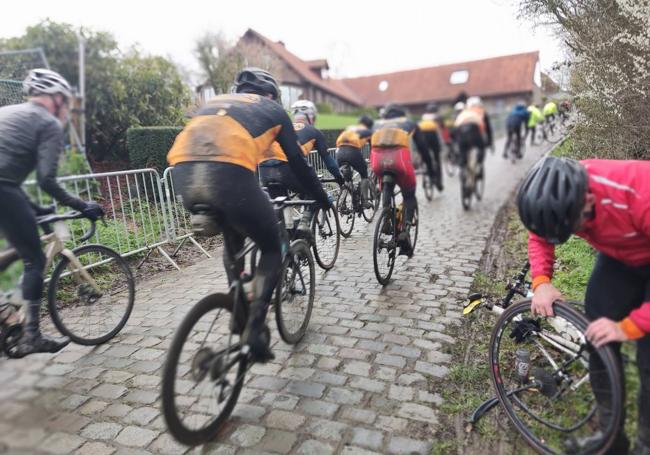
x,y
31,137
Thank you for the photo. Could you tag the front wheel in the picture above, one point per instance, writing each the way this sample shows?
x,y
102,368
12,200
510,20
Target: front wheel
x,y
203,373
547,377
465,189
327,237
372,199
91,300
427,185
294,294
384,248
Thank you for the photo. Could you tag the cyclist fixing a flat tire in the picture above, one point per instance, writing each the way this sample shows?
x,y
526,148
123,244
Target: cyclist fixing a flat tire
x,y
607,203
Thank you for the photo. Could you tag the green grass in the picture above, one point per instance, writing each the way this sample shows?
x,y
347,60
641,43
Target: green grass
x,y
335,121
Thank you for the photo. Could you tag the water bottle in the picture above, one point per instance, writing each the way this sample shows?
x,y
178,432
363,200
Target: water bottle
x,y
522,364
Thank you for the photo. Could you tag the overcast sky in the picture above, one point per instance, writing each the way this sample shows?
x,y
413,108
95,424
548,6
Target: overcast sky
x,y
357,37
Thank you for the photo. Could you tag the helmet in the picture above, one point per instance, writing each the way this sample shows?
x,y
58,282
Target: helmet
x,y
305,108
459,106
474,101
258,81
393,110
41,81
432,107
366,121
551,198
520,105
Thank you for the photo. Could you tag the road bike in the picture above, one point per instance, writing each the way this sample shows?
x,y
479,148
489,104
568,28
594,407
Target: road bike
x,y
351,204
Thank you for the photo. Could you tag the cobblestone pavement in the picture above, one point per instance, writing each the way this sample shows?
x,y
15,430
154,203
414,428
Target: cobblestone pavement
x,y
357,383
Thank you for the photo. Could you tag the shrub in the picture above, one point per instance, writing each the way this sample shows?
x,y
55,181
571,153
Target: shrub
x,y
330,136
148,146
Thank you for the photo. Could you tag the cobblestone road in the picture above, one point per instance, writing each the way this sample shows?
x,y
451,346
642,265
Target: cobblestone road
x,y
357,384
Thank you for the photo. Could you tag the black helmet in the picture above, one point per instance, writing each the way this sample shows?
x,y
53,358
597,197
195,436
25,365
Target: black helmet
x,y
393,110
258,81
432,107
551,198
366,121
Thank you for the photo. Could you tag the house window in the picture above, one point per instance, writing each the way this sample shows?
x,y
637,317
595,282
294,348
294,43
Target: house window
x,y
459,77
290,94
383,86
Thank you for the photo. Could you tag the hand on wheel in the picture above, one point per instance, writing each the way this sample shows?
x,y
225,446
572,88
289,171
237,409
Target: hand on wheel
x,y
545,295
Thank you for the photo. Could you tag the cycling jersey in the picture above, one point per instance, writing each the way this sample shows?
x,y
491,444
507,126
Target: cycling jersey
x,y
477,116
240,129
311,138
620,228
32,138
354,136
429,122
549,109
536,116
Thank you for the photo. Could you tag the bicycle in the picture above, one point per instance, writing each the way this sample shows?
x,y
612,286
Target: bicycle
x,y
540,371
515,149
472,179
90,293
387,230
200,387
351,205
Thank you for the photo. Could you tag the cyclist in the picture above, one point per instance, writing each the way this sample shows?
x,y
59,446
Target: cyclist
x,y
535,118
215,159
550,111
278,170
349,146
390,152
607,203
31,138
473,130
564,108
516,120
430,125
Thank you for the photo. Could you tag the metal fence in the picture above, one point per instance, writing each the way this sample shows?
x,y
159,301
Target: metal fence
x,y
143,211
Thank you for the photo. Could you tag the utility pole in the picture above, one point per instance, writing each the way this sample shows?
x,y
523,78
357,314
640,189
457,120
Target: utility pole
x,y
82,92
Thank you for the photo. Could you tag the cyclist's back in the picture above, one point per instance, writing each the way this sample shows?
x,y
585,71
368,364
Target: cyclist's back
x,y
215,159
515,122
472,129
431,126
390,153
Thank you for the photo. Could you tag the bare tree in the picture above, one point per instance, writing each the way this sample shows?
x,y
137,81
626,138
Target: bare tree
x,y
218,59
609,43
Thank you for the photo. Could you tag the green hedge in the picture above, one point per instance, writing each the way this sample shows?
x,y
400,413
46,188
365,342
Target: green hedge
x,y
330,137
148,146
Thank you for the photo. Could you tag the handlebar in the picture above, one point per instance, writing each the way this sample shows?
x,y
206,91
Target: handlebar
x,y
46,220
324,180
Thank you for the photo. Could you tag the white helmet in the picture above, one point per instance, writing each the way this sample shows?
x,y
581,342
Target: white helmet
x,y
305,108
474,101
41,81
459,106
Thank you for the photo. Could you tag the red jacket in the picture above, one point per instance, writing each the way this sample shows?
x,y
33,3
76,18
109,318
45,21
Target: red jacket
x,y
620,229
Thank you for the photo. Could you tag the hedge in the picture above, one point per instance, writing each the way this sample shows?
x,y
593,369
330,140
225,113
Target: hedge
x,y
148,146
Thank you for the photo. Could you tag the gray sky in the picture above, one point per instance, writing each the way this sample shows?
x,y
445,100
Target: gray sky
x,y
357,37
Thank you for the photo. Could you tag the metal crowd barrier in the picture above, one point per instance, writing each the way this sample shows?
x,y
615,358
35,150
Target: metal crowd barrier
x,y
136,218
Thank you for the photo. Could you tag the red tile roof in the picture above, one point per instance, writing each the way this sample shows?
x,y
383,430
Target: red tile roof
x,y
488,77
303,68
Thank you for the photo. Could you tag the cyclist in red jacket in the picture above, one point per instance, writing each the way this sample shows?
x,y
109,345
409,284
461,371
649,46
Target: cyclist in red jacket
x,y
607,203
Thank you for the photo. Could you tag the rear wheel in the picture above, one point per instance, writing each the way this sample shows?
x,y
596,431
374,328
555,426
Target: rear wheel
x,y
427,185
294,295
413,229
373,196
345,207
384,249
465,189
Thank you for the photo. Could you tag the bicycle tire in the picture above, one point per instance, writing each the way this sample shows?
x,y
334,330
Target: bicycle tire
x,y
58,317
416,226
320,231
176,427
387,216
465,193
427,185
298,252
578,320
372,190
345,207
479,186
